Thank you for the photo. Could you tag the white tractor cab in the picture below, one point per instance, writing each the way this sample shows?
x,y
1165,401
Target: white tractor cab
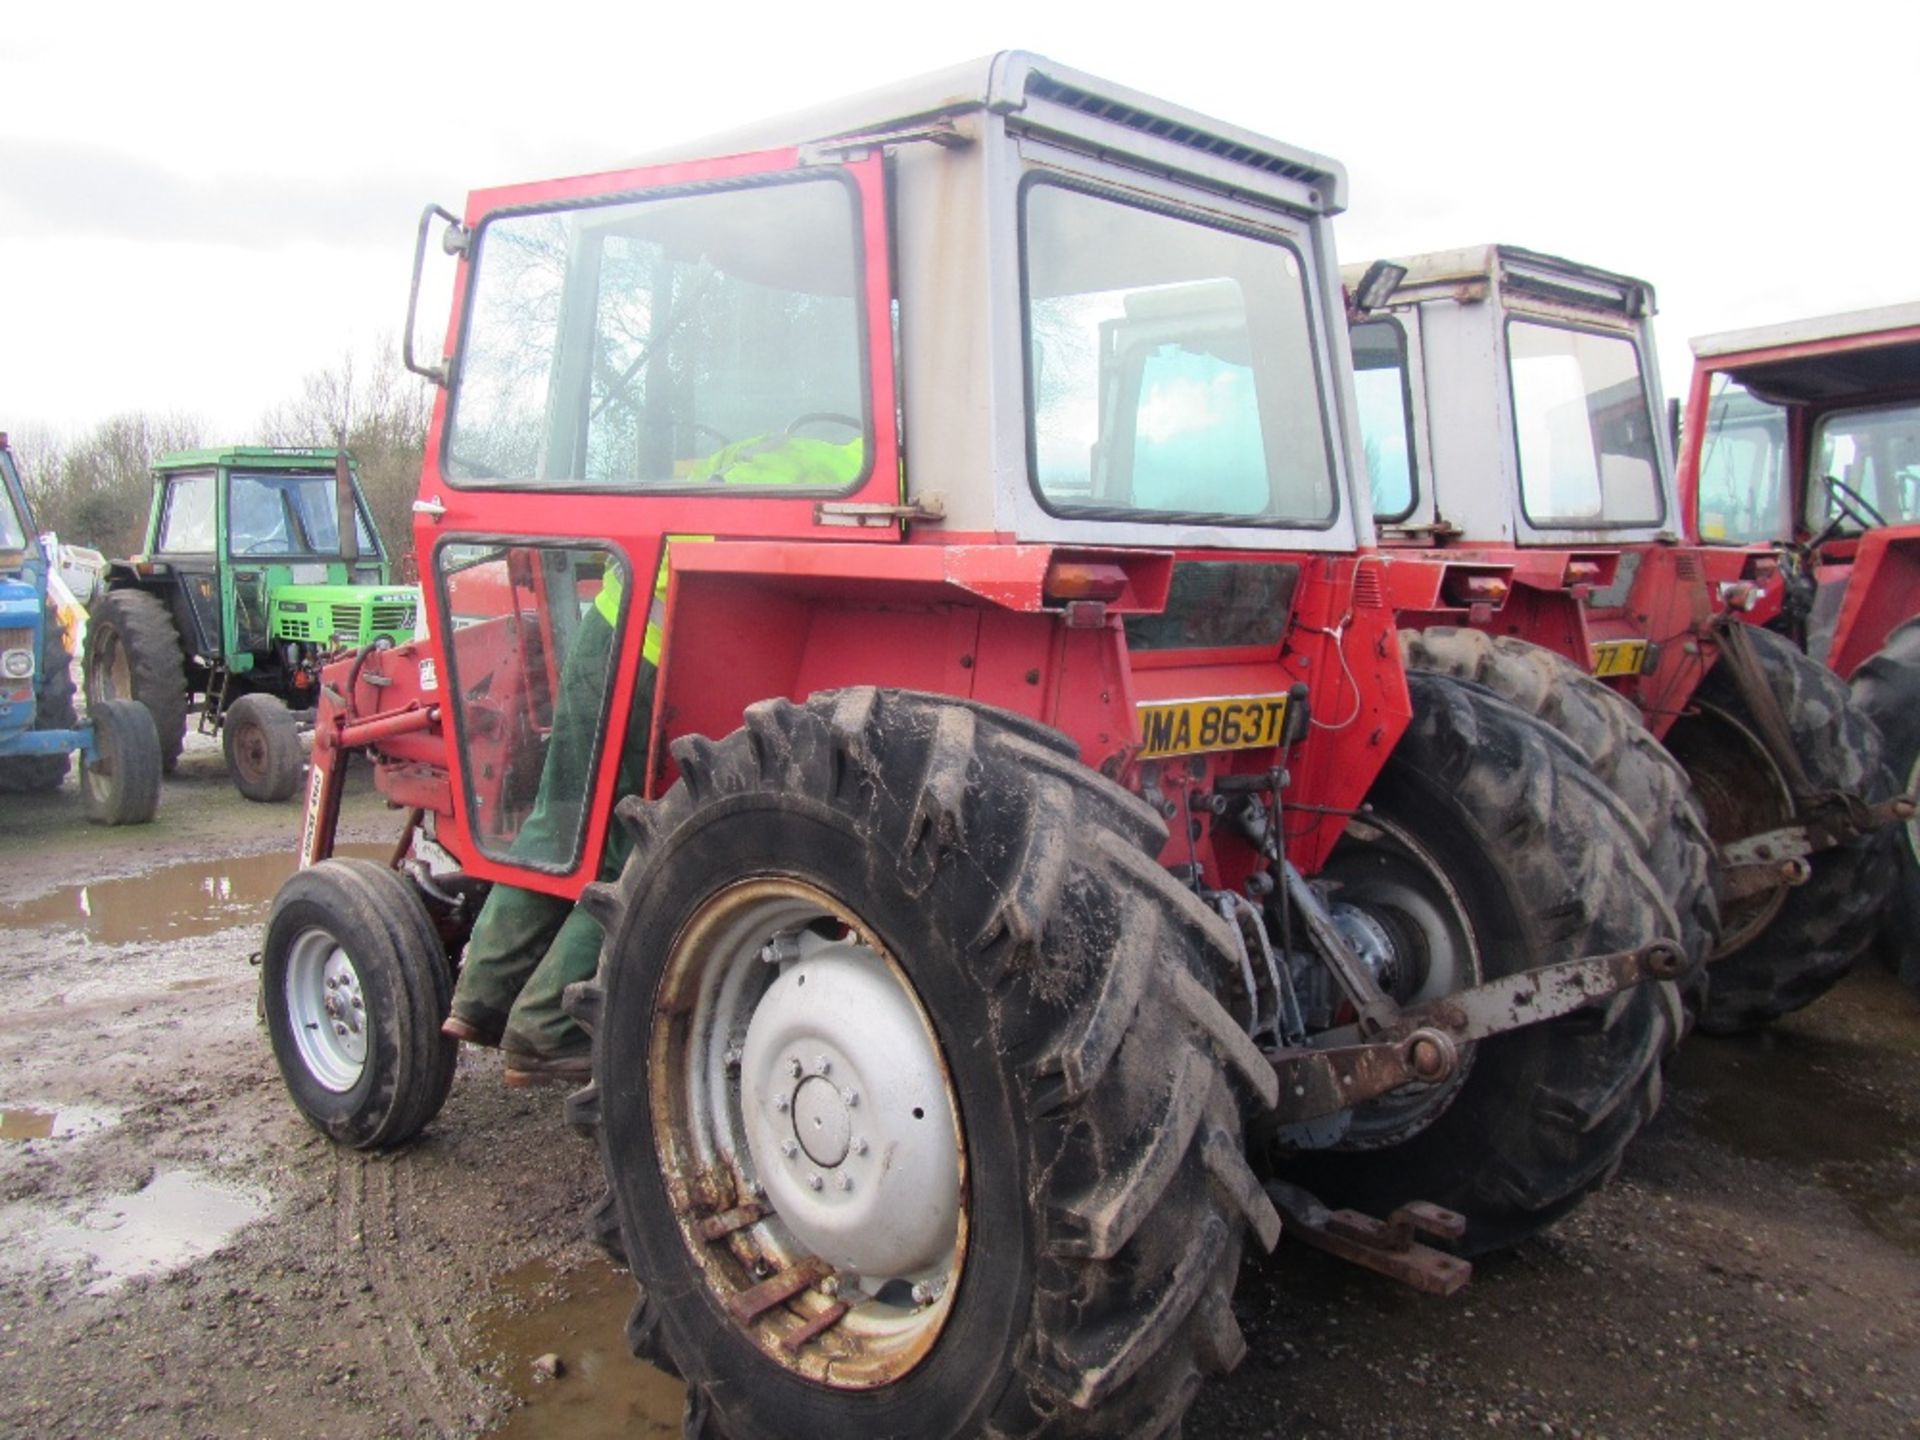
x,y
1527,378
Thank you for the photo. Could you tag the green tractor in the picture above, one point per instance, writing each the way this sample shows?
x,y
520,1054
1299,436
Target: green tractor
x,y
252,574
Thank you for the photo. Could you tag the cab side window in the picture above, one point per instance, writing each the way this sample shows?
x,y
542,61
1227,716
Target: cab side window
x,y
186,522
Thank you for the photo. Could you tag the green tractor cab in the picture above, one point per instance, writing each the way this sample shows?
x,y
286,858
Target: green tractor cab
x,y
259,564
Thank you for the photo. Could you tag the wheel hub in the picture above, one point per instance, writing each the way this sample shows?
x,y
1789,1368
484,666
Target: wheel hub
x,y
326,1010
847,1114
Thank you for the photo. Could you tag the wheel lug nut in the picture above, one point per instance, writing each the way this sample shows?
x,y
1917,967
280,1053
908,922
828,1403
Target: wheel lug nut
x,y
851,1096
843,1182
732,1059
822,1065
789,1149
793,1067
858,1145
925,1294
814,1182
780,1103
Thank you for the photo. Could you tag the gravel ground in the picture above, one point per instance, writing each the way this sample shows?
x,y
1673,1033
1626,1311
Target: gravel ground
x,y
186,1258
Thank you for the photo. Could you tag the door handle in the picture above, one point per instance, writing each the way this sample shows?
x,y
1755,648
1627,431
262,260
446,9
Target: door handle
x,y
430,506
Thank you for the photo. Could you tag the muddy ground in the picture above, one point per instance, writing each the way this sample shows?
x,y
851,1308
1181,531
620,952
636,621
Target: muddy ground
x,y
181,1256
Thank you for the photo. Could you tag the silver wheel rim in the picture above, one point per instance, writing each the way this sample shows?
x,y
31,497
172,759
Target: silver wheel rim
x,y
1398,908
800,1094
326,1010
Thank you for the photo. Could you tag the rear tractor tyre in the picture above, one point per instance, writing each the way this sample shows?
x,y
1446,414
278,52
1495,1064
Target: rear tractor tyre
x,y
1605,727
1784,948
1488,848
121,784
920,1115
1887,688
52,710
133,652
262,744
355,982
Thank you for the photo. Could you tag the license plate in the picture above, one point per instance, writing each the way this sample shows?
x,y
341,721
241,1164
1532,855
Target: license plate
x,y
1619,657
1191,727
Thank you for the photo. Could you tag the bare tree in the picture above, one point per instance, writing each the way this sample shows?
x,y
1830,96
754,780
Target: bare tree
x,y
97,490
383,412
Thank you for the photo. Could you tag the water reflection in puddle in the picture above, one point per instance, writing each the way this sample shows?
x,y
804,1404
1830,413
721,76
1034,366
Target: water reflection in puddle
x,y
179,1217
65,1122
580,1316
169,903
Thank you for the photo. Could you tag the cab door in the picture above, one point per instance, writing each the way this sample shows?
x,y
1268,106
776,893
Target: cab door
x,y
639,359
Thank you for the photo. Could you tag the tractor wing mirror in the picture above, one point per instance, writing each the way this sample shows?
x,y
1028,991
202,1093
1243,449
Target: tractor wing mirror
x,y
454,241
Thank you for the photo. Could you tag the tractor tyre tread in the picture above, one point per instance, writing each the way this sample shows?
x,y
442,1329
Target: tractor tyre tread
x,y
1825,924
1887,688
156,661
1546,1111
1127,1108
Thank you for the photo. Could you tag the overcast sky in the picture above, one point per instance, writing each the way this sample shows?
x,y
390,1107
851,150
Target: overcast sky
x,y
201,204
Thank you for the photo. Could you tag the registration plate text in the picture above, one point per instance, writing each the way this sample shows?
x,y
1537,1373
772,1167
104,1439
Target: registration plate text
x,y
1619,657
1189,727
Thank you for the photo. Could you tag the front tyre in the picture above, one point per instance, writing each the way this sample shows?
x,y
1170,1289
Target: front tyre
x,y
919,1113
120,785
355,982
262,744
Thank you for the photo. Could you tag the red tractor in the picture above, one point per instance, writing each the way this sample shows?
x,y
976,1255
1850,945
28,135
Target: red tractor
x,y
1075,879
1520,479
1805,438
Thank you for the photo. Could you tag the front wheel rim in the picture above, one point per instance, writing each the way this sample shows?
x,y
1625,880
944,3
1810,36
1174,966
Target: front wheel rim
x,y
326,1010
809,1134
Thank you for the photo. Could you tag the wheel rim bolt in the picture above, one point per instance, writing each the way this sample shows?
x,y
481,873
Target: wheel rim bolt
x,y
780,1103
732,1058
822,1065
789,1149
793,1068
843,1182
814,1182
851,1096
858,1145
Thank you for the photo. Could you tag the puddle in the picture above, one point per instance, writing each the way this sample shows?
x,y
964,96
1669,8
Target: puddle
x,y
67,1122
580,1316
1783,1098
172,902
180,1217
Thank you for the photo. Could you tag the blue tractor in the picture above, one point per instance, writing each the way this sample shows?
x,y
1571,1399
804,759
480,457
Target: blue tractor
x,y
39,730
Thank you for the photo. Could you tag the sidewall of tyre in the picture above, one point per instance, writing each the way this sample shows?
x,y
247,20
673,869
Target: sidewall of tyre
x,y
1548,868
263,720
1018,892
156,661
1887,688
383,925
122,785
1823,925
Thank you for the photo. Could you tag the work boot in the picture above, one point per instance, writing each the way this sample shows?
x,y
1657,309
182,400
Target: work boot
x,y
527,1067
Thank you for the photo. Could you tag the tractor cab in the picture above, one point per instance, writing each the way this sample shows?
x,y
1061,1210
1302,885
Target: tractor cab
x,y
1806,437
900,569
1509,412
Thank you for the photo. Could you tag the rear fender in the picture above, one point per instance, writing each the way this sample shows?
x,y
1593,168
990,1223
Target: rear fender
x,y
1882,592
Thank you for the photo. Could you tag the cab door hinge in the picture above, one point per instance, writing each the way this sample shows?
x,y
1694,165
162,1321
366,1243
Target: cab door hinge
x,y
928,509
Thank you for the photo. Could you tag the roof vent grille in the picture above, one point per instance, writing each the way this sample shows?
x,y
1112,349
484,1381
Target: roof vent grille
x,y
1160,127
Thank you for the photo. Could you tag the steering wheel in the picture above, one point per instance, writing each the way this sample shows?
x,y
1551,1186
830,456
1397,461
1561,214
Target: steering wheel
x,y
1852,504
825,417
